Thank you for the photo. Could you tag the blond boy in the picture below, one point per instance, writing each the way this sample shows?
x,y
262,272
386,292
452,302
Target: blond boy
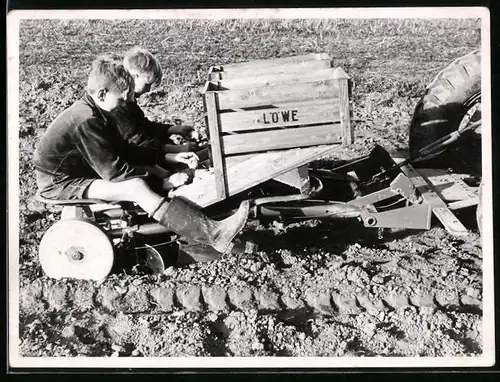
x,y
139,130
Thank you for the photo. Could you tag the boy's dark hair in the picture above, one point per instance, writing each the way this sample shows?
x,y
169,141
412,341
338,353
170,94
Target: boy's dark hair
x,y
142,60
109,73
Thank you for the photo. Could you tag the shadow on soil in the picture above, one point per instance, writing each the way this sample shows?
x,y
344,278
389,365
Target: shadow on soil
x,y
471,345
216,343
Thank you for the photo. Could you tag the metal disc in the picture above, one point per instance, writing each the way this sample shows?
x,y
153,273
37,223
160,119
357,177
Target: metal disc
x,y
76,249
151,258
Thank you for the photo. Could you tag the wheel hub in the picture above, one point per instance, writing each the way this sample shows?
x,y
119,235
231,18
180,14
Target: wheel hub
x,y
75,254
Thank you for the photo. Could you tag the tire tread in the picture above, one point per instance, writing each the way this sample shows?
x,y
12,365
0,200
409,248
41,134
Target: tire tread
x,y
452,86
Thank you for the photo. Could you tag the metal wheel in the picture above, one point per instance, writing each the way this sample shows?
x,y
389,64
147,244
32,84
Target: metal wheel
x,y
150,258
76,249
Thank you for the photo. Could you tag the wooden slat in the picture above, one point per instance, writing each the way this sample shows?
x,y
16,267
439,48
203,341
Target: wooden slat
x,y
215,144
298,67
279,61
210,75
282,104
322,111
345,108
298,178
273,79
345,115
270,165
206,87
257,169
281,139
233,160
264,96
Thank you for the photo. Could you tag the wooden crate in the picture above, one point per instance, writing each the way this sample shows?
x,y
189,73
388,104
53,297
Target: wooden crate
x,y
271,126
294,64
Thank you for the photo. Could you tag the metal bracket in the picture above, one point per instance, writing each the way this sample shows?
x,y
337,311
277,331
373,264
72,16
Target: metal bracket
x,y
417,216
372,198
77,212
431,198
403,186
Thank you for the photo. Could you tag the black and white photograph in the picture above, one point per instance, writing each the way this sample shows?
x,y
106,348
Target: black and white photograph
x,y
267,188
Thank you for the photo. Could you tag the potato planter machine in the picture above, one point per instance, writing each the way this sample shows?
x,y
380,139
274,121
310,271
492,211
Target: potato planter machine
x,y
268,120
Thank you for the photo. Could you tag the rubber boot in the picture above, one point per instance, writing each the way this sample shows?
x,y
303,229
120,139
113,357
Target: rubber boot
x,y
187,220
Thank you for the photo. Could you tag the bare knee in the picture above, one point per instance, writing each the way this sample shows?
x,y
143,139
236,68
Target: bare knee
x,y
137,188
136,185
139,192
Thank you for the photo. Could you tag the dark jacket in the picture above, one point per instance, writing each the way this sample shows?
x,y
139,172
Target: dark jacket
x,y
137,130
83,141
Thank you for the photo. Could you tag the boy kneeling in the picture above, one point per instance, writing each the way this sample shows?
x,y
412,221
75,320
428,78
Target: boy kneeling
x,y
131,122
82,156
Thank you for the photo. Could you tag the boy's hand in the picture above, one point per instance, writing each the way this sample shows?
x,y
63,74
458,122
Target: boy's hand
x,y
191,159
184,130
176,180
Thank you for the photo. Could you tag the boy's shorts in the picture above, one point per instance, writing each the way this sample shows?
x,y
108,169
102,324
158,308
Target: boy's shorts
x,y
61,188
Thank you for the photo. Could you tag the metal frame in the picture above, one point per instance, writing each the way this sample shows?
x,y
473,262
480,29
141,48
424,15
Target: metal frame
x,y
413,198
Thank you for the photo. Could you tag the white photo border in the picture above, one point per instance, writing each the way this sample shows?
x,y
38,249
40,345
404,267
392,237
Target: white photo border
x,y
15,360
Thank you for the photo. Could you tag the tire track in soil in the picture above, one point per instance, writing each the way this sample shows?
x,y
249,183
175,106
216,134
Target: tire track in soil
x,y
315,298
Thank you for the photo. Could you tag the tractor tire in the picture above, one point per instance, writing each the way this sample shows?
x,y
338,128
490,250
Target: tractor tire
x,y
454,92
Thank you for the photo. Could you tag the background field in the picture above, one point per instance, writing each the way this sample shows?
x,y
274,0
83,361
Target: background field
x,y
390,61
